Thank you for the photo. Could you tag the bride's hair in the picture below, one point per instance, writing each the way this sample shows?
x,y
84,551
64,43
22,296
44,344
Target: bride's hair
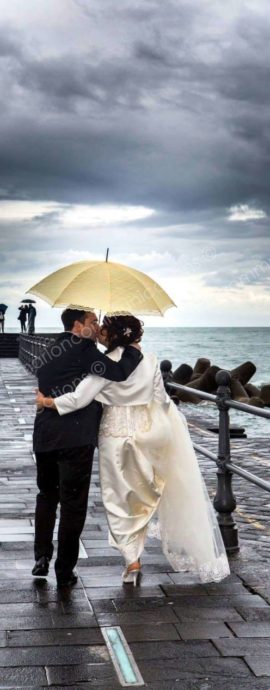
x,y
122,330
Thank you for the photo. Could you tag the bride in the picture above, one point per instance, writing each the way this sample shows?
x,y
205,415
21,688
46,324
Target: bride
x,y
148,466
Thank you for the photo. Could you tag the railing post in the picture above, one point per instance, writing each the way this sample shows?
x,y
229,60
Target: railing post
x,y
224,501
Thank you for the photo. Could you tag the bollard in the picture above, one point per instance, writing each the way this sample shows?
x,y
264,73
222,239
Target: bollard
x,y
224,501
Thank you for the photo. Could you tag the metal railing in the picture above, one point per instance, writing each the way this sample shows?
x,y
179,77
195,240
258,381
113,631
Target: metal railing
x,y
224,501
32,349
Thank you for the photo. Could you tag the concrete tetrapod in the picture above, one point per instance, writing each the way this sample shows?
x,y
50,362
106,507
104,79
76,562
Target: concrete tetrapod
x,y
244,372
201,366
265,394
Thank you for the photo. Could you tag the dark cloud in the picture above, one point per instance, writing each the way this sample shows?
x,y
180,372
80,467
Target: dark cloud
x,y
161,122
10,45
162,105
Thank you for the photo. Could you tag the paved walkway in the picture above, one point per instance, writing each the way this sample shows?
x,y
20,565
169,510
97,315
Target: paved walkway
x,y
182,635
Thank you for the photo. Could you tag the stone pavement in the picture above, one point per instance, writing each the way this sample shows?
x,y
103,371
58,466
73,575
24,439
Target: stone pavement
x,y
183,635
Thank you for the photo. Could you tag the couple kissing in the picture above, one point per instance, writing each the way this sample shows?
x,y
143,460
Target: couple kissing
x,y
149,474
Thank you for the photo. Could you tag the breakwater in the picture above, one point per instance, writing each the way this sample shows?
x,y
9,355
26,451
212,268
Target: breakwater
x,y
203,377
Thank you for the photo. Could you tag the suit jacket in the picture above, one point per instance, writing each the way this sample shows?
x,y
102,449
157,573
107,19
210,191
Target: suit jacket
x,y
59,370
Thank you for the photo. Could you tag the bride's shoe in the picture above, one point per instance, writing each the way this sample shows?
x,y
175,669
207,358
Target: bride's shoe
x,y
132,575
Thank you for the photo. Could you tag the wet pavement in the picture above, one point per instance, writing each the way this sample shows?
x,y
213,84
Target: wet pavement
x,y
182,635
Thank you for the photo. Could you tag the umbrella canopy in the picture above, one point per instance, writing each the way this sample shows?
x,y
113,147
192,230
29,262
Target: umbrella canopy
x,y
3,308
113,288
28,301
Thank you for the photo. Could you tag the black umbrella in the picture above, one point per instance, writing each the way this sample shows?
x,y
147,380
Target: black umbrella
x,y
3,308
29,301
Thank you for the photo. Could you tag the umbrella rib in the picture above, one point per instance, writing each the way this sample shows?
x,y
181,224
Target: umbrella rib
x,y
68,286
140,281
42,296
48,299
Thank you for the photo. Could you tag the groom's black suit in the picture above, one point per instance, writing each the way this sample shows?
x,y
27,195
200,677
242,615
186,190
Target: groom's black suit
x,y
64,445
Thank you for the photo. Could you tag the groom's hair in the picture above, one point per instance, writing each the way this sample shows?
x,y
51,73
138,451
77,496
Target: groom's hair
x,y
69,316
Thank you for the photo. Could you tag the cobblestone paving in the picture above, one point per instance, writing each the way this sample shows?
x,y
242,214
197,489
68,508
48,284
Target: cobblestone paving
x,y
183,635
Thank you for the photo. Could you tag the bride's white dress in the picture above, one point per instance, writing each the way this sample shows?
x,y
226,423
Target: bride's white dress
x,y
148,469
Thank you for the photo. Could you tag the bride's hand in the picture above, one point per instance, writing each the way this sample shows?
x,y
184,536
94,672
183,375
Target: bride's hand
x,y
40,399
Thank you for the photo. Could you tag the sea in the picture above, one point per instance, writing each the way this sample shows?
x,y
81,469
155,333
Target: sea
x,y
226,348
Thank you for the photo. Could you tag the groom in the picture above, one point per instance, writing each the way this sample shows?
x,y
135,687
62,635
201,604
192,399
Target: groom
x,y
64,445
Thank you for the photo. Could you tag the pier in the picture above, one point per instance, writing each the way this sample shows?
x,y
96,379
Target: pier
x,y
180,635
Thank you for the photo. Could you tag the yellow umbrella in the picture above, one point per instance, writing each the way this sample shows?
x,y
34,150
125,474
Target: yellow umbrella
x,y
110,287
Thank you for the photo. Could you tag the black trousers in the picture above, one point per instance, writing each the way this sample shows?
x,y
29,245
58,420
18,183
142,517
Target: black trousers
x,y
63,476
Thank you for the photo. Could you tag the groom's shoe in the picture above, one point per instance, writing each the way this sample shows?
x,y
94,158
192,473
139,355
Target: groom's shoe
x,y
41,567
68,580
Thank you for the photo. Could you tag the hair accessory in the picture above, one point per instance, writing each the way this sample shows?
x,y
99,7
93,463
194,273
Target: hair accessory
x,y
127,331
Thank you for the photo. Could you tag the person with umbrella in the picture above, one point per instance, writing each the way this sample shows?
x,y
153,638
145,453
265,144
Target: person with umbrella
x,y
64,448
31,319
32,312
22,317
3,308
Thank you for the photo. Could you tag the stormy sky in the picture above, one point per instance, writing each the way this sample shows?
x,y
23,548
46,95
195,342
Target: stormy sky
x,y
142,126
